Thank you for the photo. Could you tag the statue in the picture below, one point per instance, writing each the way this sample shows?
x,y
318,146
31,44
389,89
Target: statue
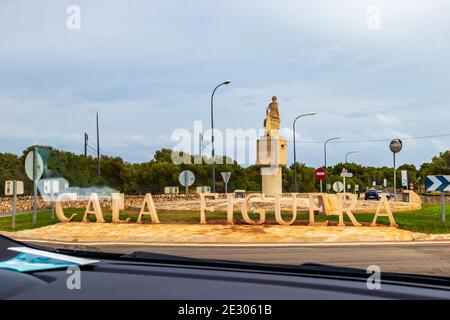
x,y
271,152
272,121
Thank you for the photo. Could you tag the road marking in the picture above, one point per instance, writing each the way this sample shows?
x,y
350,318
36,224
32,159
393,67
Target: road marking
x,y
343,244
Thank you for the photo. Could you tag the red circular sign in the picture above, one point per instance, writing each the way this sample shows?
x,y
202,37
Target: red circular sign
x,y
321,174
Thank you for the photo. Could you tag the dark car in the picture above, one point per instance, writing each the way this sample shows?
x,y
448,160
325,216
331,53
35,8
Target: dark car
x,y
372,195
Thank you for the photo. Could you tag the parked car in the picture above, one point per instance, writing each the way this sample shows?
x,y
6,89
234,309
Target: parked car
x,y
372,194
389,196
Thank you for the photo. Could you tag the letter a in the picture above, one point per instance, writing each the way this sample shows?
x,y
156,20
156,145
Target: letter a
x,y
95,210
148,203
387,207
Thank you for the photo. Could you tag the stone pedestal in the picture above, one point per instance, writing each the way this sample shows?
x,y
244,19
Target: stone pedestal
x,y
271,181
271,156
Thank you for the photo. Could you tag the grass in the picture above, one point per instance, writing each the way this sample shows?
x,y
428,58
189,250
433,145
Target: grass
x,y
427,220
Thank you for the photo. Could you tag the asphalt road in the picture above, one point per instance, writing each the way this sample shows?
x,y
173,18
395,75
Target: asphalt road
x,y
413,258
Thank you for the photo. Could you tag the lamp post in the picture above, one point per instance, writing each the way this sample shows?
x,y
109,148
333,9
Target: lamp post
x,y
325,158
213,182
295,152
349,153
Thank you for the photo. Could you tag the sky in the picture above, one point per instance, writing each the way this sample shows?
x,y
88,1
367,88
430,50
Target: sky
x,y
372,70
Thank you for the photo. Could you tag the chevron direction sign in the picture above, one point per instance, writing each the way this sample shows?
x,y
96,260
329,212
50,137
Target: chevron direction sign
x,y
438,183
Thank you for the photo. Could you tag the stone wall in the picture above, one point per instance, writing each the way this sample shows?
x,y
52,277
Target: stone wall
x,y
178,203
434,199
25,203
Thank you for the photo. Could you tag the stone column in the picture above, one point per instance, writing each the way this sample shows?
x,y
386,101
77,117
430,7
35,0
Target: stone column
x,y
271,156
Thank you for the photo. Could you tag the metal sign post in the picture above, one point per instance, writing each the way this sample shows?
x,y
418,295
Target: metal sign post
x,y
345,174
226,178
51,187
395,176
52,198
396,146
442,184
34,168
185,184
344,185
34,184
14,203
13,188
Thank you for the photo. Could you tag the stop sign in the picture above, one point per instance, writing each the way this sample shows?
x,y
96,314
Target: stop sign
x,y
321,174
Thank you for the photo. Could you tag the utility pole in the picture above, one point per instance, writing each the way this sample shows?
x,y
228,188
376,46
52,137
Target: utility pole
x,y
86,139
98,148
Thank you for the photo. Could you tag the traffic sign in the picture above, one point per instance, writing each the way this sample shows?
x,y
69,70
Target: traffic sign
x,y
51,186
226,176
438,183
203,189
29,162
338,186
186,178
321,174
346,175
9,188
171,190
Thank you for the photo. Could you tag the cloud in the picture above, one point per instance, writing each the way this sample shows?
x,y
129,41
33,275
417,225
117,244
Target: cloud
x,y
149,69
387,119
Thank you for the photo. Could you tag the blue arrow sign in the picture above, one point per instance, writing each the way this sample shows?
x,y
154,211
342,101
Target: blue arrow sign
x,y
438,183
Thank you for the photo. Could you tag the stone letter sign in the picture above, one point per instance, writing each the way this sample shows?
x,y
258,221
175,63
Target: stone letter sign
x,y
339,205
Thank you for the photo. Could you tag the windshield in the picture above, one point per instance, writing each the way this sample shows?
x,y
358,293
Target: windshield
x,y
248,131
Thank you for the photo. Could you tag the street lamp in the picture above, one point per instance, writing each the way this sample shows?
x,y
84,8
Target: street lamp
x,y
325,157
295,152
349,153
213,182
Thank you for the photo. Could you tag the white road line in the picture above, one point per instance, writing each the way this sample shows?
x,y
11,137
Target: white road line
x,y
343,244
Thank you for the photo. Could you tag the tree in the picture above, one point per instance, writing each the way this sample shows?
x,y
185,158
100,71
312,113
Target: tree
x,y
161,171
439,165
